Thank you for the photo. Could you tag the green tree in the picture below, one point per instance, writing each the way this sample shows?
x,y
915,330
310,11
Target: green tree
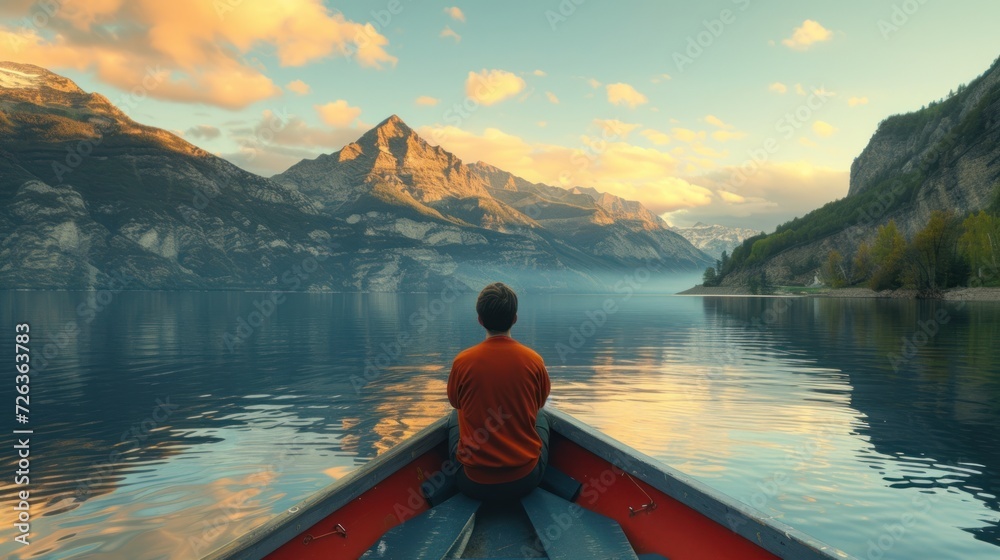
x,y
833,272
979,242
863,263
710,278
765,284
932,257
887,253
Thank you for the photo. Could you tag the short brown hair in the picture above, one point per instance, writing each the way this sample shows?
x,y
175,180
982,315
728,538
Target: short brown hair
x,y
497,307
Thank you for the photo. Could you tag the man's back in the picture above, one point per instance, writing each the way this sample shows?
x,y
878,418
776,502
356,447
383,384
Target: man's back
x,y
498,386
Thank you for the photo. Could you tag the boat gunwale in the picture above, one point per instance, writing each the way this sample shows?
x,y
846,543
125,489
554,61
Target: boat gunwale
x,y
748,522
285,526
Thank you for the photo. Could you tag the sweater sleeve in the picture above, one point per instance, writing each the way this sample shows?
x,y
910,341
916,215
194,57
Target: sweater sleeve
x,y
545,386
453,387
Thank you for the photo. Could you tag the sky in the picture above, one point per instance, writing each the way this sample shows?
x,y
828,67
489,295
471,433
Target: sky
x,y
736,112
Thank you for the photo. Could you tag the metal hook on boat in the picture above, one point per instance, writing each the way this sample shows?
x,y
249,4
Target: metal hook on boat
x,y
632,512
648,507
337,530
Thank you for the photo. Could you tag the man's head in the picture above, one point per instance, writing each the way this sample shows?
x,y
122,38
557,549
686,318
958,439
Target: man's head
x,y
497,308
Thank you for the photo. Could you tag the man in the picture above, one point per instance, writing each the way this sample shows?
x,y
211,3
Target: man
x,y
498,435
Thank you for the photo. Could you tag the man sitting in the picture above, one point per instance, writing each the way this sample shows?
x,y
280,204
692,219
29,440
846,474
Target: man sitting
x,y
498,434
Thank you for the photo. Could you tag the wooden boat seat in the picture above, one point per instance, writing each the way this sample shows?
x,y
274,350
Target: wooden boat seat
x,y
438,533
570,532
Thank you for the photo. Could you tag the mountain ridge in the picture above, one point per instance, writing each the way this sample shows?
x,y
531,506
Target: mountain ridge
x,y
89,195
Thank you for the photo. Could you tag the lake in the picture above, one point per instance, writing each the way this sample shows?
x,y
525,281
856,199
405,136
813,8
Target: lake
x,y
167,424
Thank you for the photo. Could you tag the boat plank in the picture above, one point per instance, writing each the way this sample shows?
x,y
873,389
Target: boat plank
x,y
438,533
570,532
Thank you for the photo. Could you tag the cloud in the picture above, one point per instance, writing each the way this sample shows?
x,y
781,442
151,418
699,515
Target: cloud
x,y
449,32
823,129
197,49
688,135
855,101
614,128
609,165
707,152
655,136
806,35
778,87
771,193
727,196
716,121
427,101
660,78
338,114
455,13
493,86
539,73
542,124
807,142
278,141
624,94
594,83
299,87
204,131
727,135
552,97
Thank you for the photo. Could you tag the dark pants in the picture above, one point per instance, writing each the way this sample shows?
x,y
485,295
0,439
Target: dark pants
x,y
505,490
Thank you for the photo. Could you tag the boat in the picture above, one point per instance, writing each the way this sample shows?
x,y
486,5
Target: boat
x,y
600,499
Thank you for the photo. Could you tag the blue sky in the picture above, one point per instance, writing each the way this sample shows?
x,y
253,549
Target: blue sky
x,y
591,92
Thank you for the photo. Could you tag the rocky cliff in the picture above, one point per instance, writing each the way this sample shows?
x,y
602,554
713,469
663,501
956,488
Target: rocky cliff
x,y
944,157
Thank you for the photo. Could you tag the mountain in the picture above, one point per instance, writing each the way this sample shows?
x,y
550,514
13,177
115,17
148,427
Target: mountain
x,y
714,239
390,173
90,196
945,156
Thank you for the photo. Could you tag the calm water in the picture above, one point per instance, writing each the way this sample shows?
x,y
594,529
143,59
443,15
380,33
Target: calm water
x,y
155,439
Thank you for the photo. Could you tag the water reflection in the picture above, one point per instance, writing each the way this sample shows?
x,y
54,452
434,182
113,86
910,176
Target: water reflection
x,y
926,378
735,391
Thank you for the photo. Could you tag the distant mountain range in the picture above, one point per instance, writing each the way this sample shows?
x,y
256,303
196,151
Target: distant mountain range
x,y
945,156
714,239
90,195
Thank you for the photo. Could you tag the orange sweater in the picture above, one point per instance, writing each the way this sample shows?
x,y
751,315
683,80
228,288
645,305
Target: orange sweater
x,y
498,386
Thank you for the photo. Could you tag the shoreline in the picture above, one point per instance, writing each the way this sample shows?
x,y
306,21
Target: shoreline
x,y
951,294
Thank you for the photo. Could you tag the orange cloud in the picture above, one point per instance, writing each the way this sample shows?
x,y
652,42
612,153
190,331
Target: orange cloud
x,y
338,114
855,101
806,35
427,101
778,87
771,192
449,32
624,94
613,166
552,97
824,129
493,86
614,128
656,137
727,135
455,13
199,48
299,87
688,135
